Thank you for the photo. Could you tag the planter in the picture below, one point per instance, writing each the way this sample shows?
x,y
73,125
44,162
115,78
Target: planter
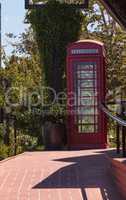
x,y
54,136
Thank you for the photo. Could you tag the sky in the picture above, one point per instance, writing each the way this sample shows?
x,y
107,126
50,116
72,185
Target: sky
x,y
13,13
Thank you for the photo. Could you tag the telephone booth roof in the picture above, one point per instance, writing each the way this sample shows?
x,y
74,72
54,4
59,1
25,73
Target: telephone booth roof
x,y
88,44
87,41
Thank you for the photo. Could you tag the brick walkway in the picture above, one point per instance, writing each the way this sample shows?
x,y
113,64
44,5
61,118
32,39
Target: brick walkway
x,y
73,175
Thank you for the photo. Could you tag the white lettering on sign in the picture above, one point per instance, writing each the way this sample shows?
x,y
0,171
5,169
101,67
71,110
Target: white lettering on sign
x,y
84,51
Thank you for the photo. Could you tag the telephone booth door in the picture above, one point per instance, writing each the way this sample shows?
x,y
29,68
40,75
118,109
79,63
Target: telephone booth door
x,y
86,90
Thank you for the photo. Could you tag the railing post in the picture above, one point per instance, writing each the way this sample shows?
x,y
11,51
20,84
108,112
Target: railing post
x,y
123,129
118,138
124,141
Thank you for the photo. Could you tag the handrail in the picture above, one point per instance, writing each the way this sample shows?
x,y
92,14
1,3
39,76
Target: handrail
x,y
121,122
109,114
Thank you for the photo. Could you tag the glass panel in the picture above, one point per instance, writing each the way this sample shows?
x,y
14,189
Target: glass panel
x,y
88,101
86,74
87,111
86,119
86,83
86,66
87,93
88,128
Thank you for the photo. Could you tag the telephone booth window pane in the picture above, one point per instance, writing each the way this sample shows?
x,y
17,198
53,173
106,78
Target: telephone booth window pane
x,y
86,83
87,93
87,75
84,119
86,100
86,65
88,128
87,111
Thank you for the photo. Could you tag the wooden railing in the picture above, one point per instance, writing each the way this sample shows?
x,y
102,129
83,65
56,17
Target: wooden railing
x,y
120,127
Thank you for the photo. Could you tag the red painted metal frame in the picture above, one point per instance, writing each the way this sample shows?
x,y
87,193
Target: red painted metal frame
x,y
78,140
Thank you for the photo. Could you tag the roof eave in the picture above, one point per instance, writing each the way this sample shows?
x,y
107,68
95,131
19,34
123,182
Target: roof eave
x,y
113,13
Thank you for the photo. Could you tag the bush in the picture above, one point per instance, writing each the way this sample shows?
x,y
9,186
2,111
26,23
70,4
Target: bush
x,y
4,150
26,142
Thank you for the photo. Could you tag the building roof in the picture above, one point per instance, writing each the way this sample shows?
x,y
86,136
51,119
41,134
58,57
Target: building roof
x,y
117,9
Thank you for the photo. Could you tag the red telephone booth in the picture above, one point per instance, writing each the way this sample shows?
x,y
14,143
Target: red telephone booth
x,y
86,90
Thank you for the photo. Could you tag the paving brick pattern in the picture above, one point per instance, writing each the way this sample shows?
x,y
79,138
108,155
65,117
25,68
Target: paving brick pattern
x,y
64,175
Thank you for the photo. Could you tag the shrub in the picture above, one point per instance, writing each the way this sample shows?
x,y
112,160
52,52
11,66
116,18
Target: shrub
x,y
26,142
4,150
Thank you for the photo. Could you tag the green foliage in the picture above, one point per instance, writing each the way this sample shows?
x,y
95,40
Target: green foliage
x,y
1,133
23,72
3,151
55,26
27,142
99,25
59,112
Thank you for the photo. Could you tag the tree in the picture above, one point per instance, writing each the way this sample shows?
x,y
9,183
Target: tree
x,y
55,26
22,71
99,25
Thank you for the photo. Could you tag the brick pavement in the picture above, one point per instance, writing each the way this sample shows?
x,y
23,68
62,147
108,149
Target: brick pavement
x,y
64,175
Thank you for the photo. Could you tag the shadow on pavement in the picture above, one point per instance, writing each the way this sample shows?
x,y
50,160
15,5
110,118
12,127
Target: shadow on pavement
x,y
86,172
